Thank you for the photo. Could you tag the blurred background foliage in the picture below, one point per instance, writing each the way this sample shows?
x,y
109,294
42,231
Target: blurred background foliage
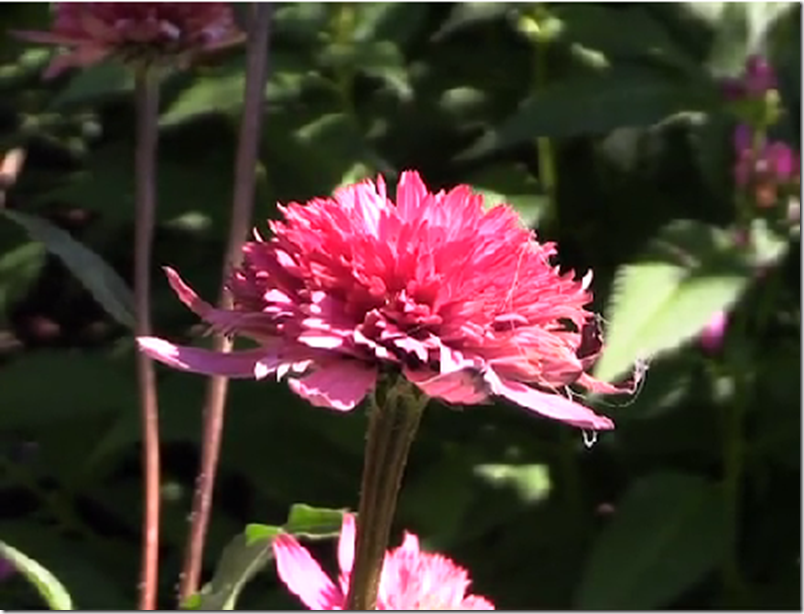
x,y
606,127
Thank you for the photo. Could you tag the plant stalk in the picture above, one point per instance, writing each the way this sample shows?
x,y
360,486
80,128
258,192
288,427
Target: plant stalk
x,y
147,106
392,426
242,206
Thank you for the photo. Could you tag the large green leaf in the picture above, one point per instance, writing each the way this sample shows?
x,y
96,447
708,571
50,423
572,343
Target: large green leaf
x,y
596,103
666,534
669,295
47,585
100,280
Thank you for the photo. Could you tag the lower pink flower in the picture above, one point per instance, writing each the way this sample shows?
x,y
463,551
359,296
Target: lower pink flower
x,y
410,579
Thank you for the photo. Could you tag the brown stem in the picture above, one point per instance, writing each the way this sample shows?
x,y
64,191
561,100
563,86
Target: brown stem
x,y
147,94
392,426
242,203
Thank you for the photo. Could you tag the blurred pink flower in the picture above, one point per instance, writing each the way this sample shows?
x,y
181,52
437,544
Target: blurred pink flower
x,y
757,79
711,338
463,301
775,167
7,569
145,31
410,579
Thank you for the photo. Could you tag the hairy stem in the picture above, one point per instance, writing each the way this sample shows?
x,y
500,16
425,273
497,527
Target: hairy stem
x,y
392,426
147,95
242,205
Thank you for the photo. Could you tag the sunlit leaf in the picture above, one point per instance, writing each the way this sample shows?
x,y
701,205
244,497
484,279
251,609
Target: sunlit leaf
x,y
47,585
670,294
313,522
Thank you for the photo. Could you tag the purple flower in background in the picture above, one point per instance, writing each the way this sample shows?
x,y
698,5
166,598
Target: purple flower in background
x,y
711,338
7,569
772,169
759,76
757,79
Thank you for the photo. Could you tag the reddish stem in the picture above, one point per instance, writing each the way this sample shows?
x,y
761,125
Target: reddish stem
x,y
147,95
242,204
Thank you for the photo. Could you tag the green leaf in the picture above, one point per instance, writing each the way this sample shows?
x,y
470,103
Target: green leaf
x,y
96,83
19,268
596,103
29,404
240,561
512,185
313,522
249,552
531,482
670,294
631,32
100,280
48,586
220,90
467,14
666,534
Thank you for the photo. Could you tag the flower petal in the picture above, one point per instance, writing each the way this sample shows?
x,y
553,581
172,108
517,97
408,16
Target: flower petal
x,y
547,404
304,577
187,295
249,363
473,602
459,387
340,385
346,544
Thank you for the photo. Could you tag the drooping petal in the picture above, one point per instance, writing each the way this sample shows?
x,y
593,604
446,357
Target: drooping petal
x,y
549,405
197,360
304,577
459,387
340,384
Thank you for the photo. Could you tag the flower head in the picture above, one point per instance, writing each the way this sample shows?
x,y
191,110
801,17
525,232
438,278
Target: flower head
x,y
143,31
758,78
769,169
460,300
711,337
410,579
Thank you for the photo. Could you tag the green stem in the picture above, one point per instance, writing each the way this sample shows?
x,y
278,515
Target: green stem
x,y
392,426
548,177
147,101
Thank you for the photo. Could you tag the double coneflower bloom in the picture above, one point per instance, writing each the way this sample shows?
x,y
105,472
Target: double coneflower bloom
x,y
460,300
410,578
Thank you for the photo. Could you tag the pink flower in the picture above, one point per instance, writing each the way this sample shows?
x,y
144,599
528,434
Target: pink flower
x,y
410,579
757,79
462,301
775,167
144,31
711,338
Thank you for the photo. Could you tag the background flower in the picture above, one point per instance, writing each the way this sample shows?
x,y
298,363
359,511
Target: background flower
x,y
144,31
410,579
462,300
